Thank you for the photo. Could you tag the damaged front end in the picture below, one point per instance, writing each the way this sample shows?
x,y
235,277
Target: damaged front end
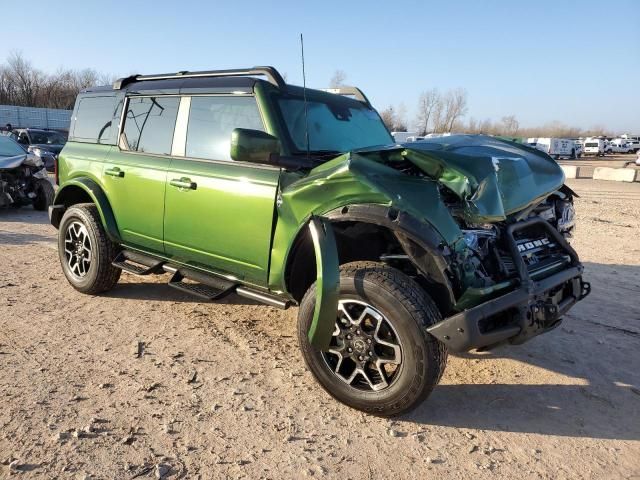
x,y
514,271
498,217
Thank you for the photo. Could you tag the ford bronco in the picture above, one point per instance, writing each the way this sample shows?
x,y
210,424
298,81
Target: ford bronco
x,y
233,181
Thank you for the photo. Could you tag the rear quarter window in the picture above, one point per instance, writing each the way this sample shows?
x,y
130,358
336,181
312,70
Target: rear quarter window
x,y
93,119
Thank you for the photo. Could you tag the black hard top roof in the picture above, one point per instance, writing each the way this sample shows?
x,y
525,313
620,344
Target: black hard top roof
x,y
213,81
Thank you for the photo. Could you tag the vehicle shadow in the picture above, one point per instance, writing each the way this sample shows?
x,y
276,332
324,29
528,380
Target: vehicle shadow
x,y
587,383
24,215
14,238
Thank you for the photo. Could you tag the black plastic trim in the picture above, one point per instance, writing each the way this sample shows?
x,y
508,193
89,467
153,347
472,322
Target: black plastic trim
x,y
461,332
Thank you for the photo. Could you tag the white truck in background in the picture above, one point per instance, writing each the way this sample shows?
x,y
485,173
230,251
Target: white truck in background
x,y
622,145
594,146
554,147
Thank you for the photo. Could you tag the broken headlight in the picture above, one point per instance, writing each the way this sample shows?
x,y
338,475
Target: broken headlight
x,y
566,215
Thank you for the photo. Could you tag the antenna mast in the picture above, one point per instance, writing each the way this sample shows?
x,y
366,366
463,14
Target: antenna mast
x,y
304,93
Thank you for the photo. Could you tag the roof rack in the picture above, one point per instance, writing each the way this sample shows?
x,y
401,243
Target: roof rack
x,y
349,91
273,76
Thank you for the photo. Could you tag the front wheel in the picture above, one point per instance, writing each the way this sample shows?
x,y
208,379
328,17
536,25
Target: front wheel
x,y
85,250
381,359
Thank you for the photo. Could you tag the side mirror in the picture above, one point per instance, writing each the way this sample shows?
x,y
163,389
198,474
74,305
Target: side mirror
x,y
253,146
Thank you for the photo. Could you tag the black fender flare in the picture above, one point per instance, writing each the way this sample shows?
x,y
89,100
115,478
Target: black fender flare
x,y
421,242
65,198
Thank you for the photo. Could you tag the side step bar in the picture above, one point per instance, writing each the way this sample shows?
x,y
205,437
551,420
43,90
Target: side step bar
x,y
209,288
137,263
212,287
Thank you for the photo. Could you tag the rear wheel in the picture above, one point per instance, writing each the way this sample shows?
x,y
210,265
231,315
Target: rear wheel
x,y
381,359
85,250
44,194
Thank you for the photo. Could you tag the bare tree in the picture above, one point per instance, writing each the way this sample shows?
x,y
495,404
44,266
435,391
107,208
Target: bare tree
x,y
338,79
510,125
427,103
455,107
439,117
388,116
27,81
22,84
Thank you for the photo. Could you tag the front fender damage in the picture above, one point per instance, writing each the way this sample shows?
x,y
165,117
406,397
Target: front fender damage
x,y
327,283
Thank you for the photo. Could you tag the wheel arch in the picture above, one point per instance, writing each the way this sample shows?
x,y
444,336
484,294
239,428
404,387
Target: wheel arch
x,y
382,227
85,190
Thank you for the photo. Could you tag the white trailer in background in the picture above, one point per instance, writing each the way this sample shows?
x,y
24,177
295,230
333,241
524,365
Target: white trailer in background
x,y
555,147
594,146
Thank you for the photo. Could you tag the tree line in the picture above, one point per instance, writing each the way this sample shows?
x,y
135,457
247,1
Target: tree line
x,y
24,85
436,112
444,112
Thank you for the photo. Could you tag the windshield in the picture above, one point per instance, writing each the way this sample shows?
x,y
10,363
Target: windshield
x,y
335,125
9,148
50,138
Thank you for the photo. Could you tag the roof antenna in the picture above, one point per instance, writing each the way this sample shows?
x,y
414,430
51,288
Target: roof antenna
x,y
304,93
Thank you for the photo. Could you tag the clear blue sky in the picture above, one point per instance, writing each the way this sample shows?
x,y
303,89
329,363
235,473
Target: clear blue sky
x,y
573,61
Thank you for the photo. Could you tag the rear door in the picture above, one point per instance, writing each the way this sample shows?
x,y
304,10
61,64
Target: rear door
x,y
219,213
135,173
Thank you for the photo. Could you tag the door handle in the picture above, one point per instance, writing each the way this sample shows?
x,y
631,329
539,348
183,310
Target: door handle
x,y
184,182
114,172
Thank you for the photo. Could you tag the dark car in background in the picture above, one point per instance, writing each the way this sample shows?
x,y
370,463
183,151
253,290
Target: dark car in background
x,y
47,144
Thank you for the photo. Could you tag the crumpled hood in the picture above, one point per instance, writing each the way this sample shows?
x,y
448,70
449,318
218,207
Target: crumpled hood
x,y
494,178
8,163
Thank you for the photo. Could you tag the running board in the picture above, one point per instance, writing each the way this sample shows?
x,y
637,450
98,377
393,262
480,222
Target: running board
x,y
214,288
137,263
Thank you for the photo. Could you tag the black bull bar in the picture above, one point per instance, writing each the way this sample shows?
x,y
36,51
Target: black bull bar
x,y
536,311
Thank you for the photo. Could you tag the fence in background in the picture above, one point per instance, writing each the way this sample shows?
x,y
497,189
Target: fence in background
x,y
29,117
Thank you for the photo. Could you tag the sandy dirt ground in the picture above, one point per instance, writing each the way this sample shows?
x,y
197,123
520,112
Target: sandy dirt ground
x,y
146,381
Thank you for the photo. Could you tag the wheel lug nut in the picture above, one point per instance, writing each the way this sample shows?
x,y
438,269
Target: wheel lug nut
x,y
349,349
357,332
368,340
348,337
370,354
361,358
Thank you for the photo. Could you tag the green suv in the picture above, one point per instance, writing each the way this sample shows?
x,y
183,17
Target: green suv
x,y
234,182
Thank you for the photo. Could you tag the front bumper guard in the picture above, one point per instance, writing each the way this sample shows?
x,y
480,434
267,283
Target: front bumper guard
x,y
538,308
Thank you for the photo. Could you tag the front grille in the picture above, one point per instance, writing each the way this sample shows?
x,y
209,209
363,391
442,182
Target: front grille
x,y
541,254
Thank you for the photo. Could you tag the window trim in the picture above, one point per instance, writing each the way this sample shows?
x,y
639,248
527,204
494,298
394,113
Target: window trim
x,y
125,107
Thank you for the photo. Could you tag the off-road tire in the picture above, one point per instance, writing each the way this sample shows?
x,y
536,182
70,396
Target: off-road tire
x,y
410,310
44,194
101,275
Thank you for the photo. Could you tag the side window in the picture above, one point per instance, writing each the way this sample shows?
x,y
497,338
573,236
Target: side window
x,y
149,124
92,122
211,121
